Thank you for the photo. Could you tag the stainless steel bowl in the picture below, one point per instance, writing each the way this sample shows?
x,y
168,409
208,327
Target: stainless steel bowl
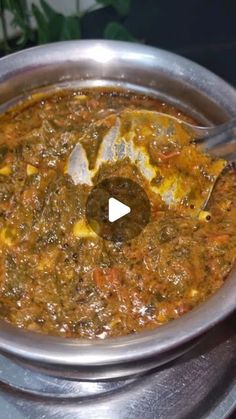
x,y
165,75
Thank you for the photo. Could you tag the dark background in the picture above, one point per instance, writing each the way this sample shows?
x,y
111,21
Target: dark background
x,y
202,30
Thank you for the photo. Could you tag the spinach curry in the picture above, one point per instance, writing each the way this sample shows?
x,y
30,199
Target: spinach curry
x,y
56,275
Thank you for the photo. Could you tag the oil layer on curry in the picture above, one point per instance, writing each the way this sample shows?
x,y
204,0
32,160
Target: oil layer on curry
x,y
56,275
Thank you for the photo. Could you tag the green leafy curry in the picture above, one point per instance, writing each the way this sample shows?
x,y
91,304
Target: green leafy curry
x,y
56,275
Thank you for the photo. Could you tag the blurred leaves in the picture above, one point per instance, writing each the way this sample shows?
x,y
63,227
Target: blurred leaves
x,y
48,10
19,9
71,28
122,7
52,25
117,31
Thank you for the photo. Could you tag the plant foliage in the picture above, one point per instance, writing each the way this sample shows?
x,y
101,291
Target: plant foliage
x,y
122,7
52,25
117,31
21,19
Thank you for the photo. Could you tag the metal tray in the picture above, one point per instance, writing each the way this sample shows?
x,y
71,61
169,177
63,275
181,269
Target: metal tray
x,y
200,384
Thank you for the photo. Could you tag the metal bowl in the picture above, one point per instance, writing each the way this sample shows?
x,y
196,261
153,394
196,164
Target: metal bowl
x,y
181,82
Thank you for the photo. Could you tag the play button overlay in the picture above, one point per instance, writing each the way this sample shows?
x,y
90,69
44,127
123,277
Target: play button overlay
x,y
118,209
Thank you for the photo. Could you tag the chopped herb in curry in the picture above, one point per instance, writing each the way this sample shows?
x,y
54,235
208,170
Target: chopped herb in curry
x,y
56,275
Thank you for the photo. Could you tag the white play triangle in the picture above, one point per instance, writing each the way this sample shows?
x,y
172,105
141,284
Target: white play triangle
x,y
116,210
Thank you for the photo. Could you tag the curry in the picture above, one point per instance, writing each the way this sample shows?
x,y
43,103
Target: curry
x,y
57,276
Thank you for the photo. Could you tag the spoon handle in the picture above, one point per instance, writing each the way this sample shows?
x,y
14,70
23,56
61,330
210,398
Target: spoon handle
x,y
221,140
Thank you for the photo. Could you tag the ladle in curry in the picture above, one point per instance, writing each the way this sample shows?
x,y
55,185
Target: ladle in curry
x,y
181,161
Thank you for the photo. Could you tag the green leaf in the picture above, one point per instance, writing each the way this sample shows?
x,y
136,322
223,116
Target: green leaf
x,y
19,9
2,5
42,25
70,28
16,6
116,31
53,26
48,10
49,23
122,7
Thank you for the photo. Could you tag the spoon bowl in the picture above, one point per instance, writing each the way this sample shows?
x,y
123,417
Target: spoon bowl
x,y
167,151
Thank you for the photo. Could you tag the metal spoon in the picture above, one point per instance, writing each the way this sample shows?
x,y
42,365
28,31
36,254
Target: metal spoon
x,y
167,152
219,141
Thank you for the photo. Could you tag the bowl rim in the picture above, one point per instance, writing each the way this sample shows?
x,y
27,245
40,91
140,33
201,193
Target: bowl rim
x,y
82,352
